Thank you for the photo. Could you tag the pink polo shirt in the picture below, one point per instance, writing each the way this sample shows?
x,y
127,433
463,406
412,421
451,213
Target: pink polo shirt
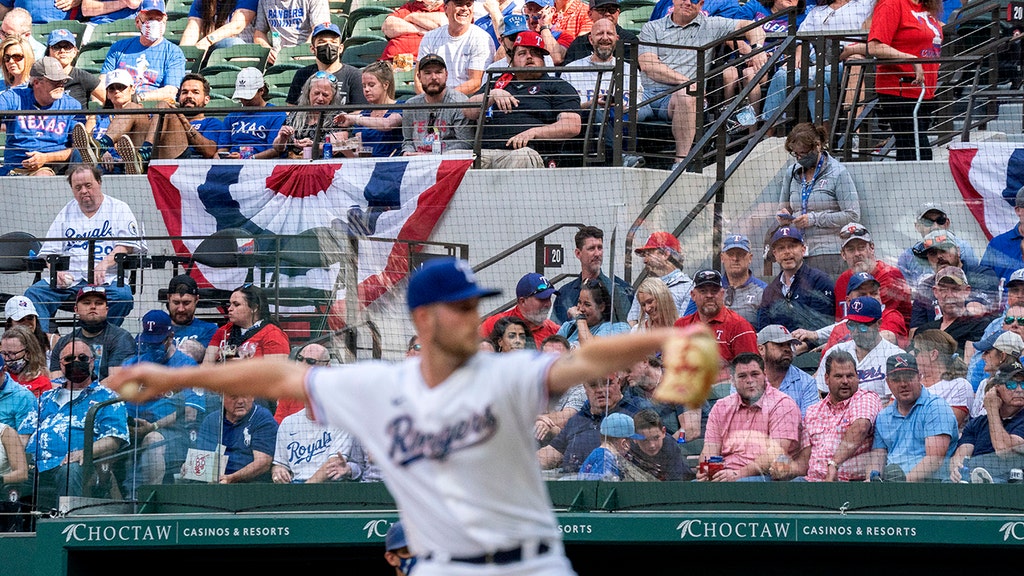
x,y
824,426
742,431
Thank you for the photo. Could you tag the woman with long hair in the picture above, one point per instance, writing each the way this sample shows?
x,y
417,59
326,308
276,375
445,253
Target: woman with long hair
x,y
20,311
943,370
250,331
18,58
510,334
378,130
591,316
657,307
24,360
299,131
216,24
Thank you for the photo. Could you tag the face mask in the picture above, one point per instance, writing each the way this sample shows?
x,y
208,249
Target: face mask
x,y
807,161
16,366
153,30
327,54
93,327
405,565
78,371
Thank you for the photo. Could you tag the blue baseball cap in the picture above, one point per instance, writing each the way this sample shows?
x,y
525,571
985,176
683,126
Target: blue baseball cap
x,y
787,232
541,3
864,309
534,284
444,280
618,425
157,5
736,241
326,27
514,24
156,327
395,538
858,280
60,35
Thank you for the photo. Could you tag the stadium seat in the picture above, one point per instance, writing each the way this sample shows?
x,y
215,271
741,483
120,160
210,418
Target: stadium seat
x,y
222,83
367,21
91,56
41,31
279,78
175,27
634,18
193,58
239,56
405,83
362,54
339,6
340,20
116,30
300,54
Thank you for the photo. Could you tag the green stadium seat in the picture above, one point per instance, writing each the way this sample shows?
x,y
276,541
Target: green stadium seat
x,y
116,30
367,21
300,54
240,56
91,56
41,31
193,58
405,83
363,54
635,18
279,78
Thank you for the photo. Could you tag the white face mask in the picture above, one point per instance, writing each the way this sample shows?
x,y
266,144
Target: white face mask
x,y
153,30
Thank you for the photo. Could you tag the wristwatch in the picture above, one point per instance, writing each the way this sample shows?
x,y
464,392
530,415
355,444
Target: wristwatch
x,y
543,28
833,464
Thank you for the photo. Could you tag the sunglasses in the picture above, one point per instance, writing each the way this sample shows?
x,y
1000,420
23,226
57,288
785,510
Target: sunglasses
x,y
1010,320
540,288
12,355
312,361
853,232
321,75
857,326
930,242
606,10
14,57
926,222
415,347
80,357
1014,384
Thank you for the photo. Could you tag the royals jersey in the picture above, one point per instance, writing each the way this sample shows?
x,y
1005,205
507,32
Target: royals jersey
x,y
114,221
459,458
34,133
303,446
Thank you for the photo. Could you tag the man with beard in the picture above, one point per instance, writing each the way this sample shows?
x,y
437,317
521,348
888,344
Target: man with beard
x,y
607,10
775,344
952,292
427,131
589,241
534,295
525,108
188,134
56,444
663,258
327,46
866,345
942,249
251,134
640,382
858,251
111,345
733,334
800,296
466,48
38,145
182,300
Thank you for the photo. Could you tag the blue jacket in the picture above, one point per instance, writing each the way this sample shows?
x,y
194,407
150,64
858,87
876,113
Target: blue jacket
x,y
810,303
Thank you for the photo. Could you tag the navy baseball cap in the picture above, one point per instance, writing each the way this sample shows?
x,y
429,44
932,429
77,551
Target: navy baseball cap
x,y
534,284
156,327
514,24
736,241
1016,277
60,35
395,538
787,232
326,27
444,280
864,309
857,280
148,5
707,278
902,362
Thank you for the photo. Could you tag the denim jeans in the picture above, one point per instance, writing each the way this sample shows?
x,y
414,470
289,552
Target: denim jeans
x,y
47,300
777,91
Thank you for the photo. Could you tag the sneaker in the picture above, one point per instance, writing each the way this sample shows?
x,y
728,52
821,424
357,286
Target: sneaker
x,y
980,476
88,148
633,161
126,150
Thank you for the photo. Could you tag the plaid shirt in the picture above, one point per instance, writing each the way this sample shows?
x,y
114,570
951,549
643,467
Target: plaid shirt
x,y
824,426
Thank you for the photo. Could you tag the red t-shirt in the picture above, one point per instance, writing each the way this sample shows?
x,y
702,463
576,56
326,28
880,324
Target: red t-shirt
x,y
268,340
911,29
406,43
574,20
37,385
732,332
893,289
548,328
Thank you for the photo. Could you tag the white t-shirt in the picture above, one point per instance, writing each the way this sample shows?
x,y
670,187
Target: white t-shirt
x,y
459,458
471,51
849,16
870,370
304,445
114,219
585,82
956,392
978,404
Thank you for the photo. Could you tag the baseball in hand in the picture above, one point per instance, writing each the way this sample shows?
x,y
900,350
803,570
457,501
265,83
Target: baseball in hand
x,y
692,362
129,391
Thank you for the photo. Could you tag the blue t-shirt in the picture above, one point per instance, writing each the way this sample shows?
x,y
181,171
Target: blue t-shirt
x,y
162,64
38,133
256,431
42,11
487,25
382,143
254,130
196,9
199,330
119,14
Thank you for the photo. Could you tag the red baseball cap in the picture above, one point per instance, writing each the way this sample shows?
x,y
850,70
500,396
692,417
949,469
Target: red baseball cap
x,y
530,39
660,240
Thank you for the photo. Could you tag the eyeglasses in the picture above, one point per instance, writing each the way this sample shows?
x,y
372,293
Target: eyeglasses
x,y
927,223
321,75
1010,320
312,361
606,10
415,347
13,57
857,326
853,232
72,357
12,355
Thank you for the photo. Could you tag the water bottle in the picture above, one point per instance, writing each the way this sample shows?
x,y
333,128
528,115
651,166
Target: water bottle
x,y
876,476
965,472
328,150
682,438
275,40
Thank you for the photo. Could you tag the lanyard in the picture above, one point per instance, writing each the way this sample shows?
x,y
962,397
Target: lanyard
x,y
807,187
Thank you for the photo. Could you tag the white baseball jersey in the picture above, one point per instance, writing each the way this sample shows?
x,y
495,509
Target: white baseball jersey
x,y
303,445
870,370
459,458
114,219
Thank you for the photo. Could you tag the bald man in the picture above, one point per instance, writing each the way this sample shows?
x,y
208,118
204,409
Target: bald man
x,y
314,355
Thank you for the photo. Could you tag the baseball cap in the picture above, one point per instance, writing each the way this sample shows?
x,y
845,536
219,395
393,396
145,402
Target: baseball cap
x,y
87,290
736,241
775,333
18,307
541,3
707,278
1002,340
531,39
929,207
48,67
395,538
248,83
938,239
857,280
120,76
431,59
148,5
60,35
854,231
156,326
864,309
902,362
660,240
183,284
444,280
1017,276
598,3
951,273
534,284
618,425
514,24
326,27
1009,370
787,232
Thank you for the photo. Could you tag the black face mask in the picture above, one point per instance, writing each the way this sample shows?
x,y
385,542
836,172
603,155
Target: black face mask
x,y
78,371
327,54
93,327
